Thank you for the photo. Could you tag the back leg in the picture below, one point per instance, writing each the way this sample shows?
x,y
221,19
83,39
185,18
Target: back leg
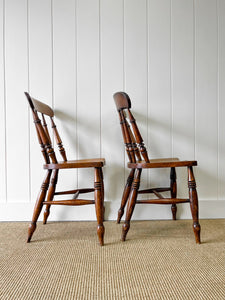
x,y
194,204
125,196
103,193
173,191
39,204
99,205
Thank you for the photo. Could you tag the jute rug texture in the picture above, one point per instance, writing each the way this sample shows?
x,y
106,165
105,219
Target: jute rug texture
x,y
159,260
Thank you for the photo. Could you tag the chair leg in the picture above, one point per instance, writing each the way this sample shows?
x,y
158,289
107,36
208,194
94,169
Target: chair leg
x,y
125,196
99,204
51,193
103,193
131,203
194,204
173,186
39,204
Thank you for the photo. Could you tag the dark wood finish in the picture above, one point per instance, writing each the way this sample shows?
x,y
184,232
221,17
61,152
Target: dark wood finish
x,y
163,201
173,192
162,163
131,202
149,191
82,163
80,191
70,202
39,204
194,204
99,205
48,188
138,160
51,193
125,196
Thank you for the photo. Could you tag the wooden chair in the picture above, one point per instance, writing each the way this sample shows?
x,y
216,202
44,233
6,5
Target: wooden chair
x,y
139,160
52,166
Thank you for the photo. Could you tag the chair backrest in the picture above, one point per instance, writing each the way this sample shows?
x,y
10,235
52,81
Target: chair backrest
x,y
40,109
133,141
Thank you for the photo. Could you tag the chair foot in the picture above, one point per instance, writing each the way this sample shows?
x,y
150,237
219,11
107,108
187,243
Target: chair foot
x,y
194,204
100,232
197,230
31,230
125,229
174,211
46,214
120,214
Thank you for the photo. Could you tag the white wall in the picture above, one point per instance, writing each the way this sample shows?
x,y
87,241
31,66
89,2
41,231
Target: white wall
x,y
169,56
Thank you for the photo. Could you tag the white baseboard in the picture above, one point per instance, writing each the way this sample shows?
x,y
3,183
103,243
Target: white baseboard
x,y
208,209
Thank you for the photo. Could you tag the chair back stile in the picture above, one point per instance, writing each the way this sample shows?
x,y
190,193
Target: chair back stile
x,y
133,140
127,137
42,130
58,140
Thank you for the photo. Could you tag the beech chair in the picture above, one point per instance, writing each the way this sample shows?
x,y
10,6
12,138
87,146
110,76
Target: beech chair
x,y
48,187
139,160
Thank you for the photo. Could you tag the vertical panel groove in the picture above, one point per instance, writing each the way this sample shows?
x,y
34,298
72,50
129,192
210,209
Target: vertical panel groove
x,y
147,79
52,54
124,87
100,76
218,98
76,59
171,80
4,84
28,112
52,63
194,73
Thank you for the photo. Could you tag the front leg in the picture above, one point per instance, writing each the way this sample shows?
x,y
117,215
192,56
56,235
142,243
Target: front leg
x,y
131,203
39,204
99,204
51,193
125,196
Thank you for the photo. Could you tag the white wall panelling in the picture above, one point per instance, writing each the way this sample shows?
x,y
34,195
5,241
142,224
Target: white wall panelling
x,y
16,111
206,47
2,107
159,93
112,80
74,54
221,99
182,86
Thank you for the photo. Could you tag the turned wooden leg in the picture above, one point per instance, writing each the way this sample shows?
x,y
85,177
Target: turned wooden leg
x,y
125,196
131,203
103,193
194,204
173,186
51,193
39,204
99,205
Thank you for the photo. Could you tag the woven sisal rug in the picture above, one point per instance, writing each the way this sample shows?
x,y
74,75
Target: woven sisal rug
x,y
159,260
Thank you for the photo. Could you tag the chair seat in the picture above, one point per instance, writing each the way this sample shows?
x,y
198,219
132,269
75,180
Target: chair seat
x,y
80,163
162,163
